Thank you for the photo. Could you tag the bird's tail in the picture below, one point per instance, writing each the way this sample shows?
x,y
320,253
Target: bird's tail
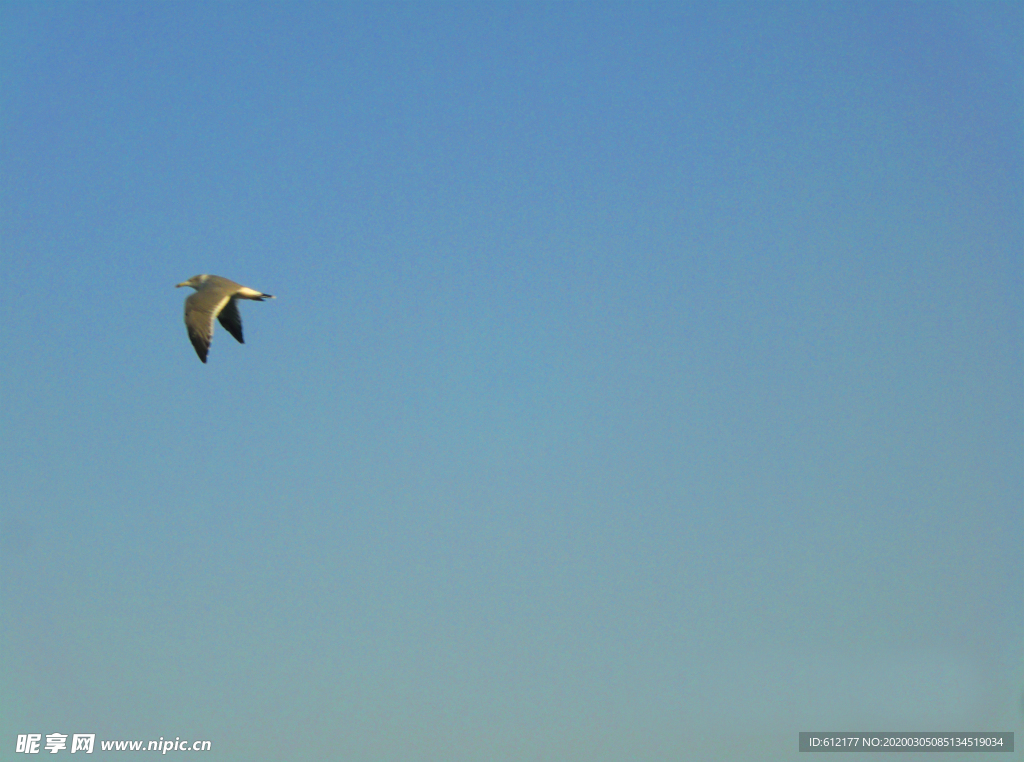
x,y
251,293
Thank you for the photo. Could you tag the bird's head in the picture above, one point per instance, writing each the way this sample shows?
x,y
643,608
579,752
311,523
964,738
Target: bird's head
x,y
195,281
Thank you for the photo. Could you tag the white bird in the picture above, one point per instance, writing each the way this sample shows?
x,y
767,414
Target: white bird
x,y
215,298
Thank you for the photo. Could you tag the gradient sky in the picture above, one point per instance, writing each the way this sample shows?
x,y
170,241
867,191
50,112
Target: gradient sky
x,y
644,382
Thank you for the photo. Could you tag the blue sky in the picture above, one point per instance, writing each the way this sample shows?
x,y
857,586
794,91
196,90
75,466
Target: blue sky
x,y
641,375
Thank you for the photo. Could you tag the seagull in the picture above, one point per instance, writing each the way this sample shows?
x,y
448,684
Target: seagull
x,y
215,297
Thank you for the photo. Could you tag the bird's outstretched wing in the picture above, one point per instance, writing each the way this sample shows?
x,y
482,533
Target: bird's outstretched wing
x,y
200,310
232,320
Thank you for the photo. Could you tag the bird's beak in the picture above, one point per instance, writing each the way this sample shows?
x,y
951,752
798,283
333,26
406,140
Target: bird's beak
x,y
182,284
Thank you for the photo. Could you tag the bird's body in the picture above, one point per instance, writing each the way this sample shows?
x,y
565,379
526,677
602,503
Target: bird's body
x,y
215,298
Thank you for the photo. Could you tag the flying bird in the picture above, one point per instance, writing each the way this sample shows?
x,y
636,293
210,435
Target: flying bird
x,y
215,297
